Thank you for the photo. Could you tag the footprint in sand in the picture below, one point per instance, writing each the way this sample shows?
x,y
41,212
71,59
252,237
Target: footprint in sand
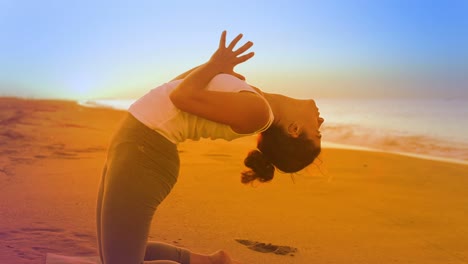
x,y
267,247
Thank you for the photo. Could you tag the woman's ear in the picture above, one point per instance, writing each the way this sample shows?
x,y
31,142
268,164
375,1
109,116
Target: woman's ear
x,y
294,130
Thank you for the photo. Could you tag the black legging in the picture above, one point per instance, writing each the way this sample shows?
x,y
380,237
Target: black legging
x,y
141,168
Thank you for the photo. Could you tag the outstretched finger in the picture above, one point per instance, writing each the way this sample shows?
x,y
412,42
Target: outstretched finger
x,y
222,40
244,58
245,47
234,42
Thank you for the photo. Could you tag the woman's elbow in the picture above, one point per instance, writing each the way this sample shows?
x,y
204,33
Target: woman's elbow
x,y
181,100
176,98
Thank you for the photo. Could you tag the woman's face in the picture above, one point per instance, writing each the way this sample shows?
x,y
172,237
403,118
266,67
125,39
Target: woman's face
x,y
311,121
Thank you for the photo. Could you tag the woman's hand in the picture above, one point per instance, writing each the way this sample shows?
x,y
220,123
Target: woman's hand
x,y
225,58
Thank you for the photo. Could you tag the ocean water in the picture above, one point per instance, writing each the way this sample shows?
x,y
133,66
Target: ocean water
x,y
429,128
436,128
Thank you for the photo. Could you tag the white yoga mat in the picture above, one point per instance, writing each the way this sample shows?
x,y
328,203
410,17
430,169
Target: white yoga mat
x,y
61,259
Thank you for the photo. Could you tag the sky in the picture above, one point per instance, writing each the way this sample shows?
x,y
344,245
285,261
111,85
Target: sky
x,y
121,49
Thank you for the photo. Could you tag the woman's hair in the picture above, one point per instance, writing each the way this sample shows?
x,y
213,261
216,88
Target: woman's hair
x,y
275,148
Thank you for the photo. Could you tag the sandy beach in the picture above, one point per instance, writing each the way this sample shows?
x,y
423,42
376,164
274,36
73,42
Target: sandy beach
x,y
349,207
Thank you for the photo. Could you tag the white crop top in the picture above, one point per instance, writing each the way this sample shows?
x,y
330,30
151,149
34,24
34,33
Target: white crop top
x,y
156,110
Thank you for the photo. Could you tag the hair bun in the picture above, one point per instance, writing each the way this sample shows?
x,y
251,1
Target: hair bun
x,y
261,168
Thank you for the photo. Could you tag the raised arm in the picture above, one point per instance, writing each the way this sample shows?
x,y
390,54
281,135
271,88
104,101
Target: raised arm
x,y
185,74
244,112
222,61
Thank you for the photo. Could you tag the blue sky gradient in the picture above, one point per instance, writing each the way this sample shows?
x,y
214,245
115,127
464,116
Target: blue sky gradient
x,y
121,49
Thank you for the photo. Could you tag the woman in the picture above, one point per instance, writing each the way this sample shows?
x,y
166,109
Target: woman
x,y
209,101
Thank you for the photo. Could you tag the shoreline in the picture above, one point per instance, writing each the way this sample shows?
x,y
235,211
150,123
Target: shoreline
x,y
333,145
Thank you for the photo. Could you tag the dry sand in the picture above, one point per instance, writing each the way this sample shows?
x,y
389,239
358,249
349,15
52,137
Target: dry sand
x,y
350,207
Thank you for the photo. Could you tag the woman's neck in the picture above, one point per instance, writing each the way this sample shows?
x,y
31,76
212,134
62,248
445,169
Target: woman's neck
x,y
280,105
